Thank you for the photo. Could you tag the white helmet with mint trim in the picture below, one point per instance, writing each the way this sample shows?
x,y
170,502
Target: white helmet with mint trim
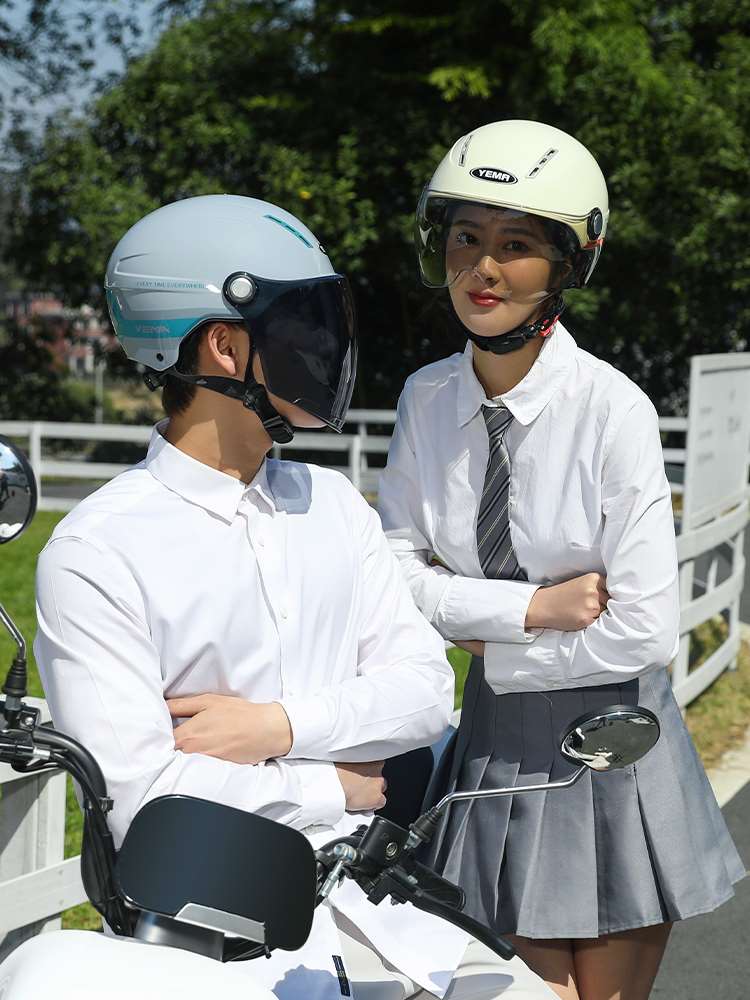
x,y
231,258
166,275
529,169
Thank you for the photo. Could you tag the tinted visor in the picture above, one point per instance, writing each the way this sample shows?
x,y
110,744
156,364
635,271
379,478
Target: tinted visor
x,y
304,332
529,257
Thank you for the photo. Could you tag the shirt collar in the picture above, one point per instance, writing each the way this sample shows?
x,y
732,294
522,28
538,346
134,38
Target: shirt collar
x,y
198,483
527,399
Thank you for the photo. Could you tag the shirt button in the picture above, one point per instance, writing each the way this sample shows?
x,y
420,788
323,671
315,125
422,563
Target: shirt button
x,y
261,542
283,613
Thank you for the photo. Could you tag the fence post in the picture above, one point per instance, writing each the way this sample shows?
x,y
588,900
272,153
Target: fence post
x,y
362,431
355,461
682,660
35,454
737,545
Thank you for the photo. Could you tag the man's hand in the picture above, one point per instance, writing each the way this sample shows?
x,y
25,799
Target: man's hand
x,y
568,606
223,726
364,785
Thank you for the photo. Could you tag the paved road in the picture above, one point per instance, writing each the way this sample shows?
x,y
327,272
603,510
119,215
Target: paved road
x,y
708,957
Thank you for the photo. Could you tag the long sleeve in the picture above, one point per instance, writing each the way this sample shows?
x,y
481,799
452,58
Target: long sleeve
x,y
460,607
103,680
639,630
402,695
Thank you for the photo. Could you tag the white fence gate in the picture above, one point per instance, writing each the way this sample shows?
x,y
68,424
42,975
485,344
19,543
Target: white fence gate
x,y
36,885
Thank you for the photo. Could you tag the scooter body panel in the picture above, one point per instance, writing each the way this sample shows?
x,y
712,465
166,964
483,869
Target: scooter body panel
x,y
84,965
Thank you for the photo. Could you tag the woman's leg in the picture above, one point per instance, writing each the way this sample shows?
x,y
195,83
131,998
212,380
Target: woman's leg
x,y
553,961
620,966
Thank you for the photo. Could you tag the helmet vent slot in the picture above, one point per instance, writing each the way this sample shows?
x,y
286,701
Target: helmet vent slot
x,y
464,149
540,164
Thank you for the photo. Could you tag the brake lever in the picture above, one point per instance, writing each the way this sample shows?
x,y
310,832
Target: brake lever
x,y
405,888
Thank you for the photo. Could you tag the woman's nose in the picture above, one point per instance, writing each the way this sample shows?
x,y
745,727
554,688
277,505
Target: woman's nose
x,y
488,269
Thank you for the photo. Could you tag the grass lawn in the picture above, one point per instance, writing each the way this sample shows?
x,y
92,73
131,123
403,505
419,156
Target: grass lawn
x,y
717,720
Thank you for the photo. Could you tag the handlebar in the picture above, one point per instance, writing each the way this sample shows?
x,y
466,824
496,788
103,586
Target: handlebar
x,y
379,856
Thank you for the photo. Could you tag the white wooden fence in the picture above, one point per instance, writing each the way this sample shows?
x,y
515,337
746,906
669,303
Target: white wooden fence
x,y
36,884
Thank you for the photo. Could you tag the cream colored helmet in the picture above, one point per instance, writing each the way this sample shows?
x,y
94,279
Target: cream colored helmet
x,y
529,169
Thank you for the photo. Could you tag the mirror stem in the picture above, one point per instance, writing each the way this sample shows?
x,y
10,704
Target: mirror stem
x,y
423,829
15,634
16,682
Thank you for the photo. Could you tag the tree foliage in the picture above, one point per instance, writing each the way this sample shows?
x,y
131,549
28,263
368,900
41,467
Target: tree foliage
x,y
32,386
340,112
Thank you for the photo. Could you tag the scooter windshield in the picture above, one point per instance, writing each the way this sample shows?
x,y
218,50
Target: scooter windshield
x,y
305,334
527,257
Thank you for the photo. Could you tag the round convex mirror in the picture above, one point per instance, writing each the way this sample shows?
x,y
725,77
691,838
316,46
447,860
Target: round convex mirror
x,y
17,491
611,738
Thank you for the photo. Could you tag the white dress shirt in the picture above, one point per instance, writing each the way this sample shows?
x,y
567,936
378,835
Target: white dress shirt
x,y
175,579
588,493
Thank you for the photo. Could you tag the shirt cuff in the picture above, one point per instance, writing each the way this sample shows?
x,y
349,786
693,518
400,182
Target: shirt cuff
x,y
487,610
323,798
310,724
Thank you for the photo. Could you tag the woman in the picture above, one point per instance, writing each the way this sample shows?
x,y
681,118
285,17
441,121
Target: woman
x,y
526,499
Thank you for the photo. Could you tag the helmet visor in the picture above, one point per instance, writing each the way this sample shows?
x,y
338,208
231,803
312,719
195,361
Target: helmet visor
x,y
524,257
304,332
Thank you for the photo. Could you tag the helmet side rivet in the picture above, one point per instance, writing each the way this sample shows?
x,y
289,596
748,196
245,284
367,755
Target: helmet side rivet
x,y
241,288
595,224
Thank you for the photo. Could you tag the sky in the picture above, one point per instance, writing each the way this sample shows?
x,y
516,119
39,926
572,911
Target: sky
x,y
108,58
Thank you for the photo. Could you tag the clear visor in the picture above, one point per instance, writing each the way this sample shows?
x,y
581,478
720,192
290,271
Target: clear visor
x,y
521,256
304,332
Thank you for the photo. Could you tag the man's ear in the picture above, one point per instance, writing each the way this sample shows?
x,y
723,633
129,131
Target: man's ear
x,y
224,350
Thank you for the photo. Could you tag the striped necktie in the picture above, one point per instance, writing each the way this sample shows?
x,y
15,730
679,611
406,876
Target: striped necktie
x,y
496,555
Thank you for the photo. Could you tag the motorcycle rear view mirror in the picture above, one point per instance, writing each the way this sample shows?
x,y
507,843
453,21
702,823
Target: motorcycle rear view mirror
x,y
602,740
612,738
221,869
18,492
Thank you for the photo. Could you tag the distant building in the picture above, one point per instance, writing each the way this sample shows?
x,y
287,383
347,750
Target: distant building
x,y
77,336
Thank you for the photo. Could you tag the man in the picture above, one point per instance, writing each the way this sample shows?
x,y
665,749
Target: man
x,y
255,602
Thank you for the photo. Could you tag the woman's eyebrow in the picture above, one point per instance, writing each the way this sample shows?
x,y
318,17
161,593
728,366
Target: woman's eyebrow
x,y
519,230
467,222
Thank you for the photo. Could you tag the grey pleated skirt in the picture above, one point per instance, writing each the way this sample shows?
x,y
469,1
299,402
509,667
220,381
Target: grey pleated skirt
x,y
640,846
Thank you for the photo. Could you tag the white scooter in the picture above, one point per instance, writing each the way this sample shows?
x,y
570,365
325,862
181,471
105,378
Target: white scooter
x,y
198,888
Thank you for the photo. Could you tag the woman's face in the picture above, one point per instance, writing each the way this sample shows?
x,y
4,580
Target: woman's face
x,y
499,267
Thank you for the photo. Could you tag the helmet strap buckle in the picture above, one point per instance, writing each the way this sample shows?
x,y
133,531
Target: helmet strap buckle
x,y
255,398
153,379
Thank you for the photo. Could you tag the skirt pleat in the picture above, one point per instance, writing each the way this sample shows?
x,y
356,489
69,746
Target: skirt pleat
x,y
619,850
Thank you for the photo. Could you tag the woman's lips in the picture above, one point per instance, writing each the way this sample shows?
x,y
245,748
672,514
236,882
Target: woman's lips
x,y
484,298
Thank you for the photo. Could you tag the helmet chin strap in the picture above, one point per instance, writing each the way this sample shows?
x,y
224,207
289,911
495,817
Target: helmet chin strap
x,y
520,335
249,391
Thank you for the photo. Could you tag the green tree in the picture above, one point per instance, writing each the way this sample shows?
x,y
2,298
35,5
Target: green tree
x,y
341,111
32,383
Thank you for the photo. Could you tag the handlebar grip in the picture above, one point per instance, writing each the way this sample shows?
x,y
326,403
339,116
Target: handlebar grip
x,y
501,947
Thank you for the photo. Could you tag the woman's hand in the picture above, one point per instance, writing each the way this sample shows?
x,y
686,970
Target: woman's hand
x,y
568,606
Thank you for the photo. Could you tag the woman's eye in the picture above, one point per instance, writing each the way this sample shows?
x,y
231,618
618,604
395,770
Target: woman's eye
x,y
517,246
464,239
